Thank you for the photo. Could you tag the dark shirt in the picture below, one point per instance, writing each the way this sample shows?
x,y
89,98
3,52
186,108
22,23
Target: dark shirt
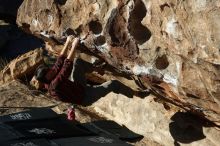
x,y
60,86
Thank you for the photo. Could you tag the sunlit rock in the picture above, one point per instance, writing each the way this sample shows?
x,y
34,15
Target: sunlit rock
x,y
22,66
172,46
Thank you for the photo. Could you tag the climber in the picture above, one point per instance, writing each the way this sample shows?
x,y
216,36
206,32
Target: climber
x,y
56,79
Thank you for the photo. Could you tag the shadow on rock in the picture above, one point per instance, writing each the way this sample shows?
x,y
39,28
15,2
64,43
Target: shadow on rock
x,y
113,129
187,128
94,92
14,42
8,10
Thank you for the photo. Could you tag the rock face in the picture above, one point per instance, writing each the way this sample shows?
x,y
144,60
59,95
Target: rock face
x,y
21,66
166,126
169,46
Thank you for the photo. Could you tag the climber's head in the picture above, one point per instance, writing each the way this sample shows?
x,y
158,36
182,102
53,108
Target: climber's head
x,y
41,72
39,78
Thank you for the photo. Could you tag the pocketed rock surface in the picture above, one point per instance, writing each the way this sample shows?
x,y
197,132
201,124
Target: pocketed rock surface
x,y
175,42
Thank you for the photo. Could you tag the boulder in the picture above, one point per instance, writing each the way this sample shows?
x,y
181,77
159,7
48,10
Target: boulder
x,y
169,46
157,121
22,66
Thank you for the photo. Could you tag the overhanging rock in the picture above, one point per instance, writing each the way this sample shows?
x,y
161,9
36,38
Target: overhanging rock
x,y
173,46
22,66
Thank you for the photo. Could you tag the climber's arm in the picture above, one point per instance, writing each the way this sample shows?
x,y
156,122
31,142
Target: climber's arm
x,y
72,52
65,48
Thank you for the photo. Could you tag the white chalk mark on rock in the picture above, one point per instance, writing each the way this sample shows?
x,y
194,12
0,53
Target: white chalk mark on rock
x,y
171,28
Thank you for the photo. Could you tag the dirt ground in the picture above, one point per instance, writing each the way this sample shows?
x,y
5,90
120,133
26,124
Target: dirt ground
x,y
16,96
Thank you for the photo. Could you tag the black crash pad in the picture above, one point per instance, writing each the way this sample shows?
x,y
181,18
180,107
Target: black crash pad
x,y
30,142
53,128
34,114
90,141
6,133
117,130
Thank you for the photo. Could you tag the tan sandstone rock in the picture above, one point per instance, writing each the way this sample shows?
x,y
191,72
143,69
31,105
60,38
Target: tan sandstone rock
x,y
21,66
157,123
171,45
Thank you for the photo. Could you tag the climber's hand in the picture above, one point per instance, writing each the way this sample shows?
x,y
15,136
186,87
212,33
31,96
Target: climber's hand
x,y
70,38
75,42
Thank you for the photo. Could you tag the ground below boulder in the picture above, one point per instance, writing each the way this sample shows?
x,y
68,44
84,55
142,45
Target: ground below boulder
x,y
159,125
16,97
